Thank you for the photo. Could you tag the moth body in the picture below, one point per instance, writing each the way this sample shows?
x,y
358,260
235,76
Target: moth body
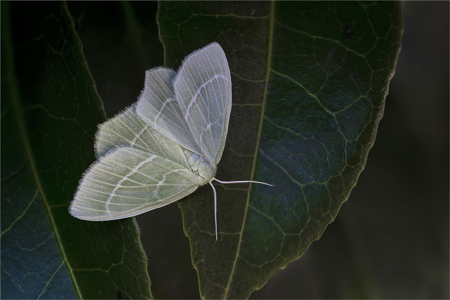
x,y
199,166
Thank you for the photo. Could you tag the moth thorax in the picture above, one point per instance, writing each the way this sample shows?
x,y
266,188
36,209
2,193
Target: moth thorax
x,y
200,167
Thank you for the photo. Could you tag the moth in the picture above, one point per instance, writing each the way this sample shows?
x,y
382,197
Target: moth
x,y
165,145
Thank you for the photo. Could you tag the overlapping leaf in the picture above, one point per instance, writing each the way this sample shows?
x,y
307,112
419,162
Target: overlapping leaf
x,y
309,84
50,112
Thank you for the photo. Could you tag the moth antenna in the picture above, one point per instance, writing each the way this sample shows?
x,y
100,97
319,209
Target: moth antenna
x,y
215,205
227,182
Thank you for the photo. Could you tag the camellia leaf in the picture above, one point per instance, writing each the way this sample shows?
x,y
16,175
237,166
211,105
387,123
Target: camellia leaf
x,y
50,112
309,85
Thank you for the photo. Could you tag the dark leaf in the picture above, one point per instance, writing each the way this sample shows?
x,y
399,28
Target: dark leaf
x,y
50,112
309,85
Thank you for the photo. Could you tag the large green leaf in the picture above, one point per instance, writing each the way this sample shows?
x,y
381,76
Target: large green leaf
x,y
309,85
50,111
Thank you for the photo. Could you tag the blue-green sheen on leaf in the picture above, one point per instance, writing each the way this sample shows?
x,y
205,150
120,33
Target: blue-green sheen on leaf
x,y
309,84
50,109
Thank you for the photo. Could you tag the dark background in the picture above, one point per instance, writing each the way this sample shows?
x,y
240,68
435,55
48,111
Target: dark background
x,y
390,239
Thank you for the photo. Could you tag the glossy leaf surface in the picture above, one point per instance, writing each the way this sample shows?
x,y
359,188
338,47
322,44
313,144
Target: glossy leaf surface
x,y
309,84
50,112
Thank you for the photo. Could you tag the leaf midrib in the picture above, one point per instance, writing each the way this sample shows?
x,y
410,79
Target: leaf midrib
x,y
255,156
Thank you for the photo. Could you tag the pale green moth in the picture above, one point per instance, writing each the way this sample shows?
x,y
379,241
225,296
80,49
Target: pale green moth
x,y
164,146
